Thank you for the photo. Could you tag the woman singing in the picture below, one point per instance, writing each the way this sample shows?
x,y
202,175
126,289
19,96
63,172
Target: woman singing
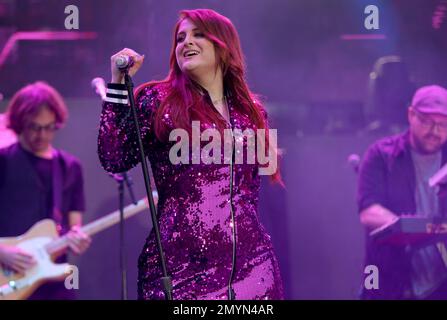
x,y
206,85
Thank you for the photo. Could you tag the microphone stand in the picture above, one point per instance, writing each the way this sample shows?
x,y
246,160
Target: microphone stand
x,y
165,279
120,178
129,183
231,292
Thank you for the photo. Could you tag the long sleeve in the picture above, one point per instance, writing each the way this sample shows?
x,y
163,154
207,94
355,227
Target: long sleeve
x,y
118,149
372,179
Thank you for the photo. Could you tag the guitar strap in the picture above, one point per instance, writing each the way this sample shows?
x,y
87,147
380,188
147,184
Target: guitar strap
x,y
57,192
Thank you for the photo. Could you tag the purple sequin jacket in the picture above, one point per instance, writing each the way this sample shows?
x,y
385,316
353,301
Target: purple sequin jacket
x,y
193,212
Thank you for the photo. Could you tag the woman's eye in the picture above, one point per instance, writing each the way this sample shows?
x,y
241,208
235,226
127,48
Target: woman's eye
x,y
181,38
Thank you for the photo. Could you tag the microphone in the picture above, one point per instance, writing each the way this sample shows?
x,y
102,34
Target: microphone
x,y
354,162
100,87
118,177
124,62
124,177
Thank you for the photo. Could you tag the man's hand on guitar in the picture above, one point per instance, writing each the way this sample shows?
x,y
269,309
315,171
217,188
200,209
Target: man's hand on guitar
x,y
16,259
78,241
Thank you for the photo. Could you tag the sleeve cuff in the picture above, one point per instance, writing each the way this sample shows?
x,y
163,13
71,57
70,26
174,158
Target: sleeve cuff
x,y
116,93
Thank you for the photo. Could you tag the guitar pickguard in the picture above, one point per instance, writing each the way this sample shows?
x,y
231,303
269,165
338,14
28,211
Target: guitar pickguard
x,y
45,268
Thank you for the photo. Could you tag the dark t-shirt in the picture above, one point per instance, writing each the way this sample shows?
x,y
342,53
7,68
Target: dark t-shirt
x,y
26,197
44,170
26,189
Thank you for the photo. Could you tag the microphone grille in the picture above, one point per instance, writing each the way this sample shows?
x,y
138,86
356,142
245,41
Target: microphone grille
x,y
96,81
354,158
122,61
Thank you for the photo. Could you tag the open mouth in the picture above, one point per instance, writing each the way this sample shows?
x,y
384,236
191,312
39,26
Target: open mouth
x,y
190,53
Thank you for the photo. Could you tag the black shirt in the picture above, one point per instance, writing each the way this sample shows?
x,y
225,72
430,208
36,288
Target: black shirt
x,y
44,170
26,183
387,177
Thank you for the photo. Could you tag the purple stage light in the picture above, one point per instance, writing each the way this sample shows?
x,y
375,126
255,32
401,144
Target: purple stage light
x,y
43,36
349,37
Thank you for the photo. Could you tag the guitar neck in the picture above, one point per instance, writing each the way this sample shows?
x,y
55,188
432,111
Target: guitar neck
x,y
61,243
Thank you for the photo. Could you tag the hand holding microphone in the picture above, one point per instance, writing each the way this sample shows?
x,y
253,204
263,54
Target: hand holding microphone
x,y
125,59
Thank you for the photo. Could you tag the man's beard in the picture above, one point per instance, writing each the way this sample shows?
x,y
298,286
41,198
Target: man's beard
x,y
421,144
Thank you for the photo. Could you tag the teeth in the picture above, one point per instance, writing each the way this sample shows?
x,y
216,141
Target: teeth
x,y
191,53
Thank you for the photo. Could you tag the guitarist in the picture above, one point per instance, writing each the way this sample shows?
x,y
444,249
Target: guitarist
x,y
393,180
38,181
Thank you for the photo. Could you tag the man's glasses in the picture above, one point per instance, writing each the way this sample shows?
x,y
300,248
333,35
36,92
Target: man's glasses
x,y
49,128
429,123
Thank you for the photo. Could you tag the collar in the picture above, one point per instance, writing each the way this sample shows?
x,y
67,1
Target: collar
x,y
403,146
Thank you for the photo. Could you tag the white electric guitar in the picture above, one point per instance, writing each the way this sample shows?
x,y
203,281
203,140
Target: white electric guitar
x,y
44,243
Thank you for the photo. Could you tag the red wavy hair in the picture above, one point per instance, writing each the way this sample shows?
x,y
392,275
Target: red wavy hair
x,y
184,99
